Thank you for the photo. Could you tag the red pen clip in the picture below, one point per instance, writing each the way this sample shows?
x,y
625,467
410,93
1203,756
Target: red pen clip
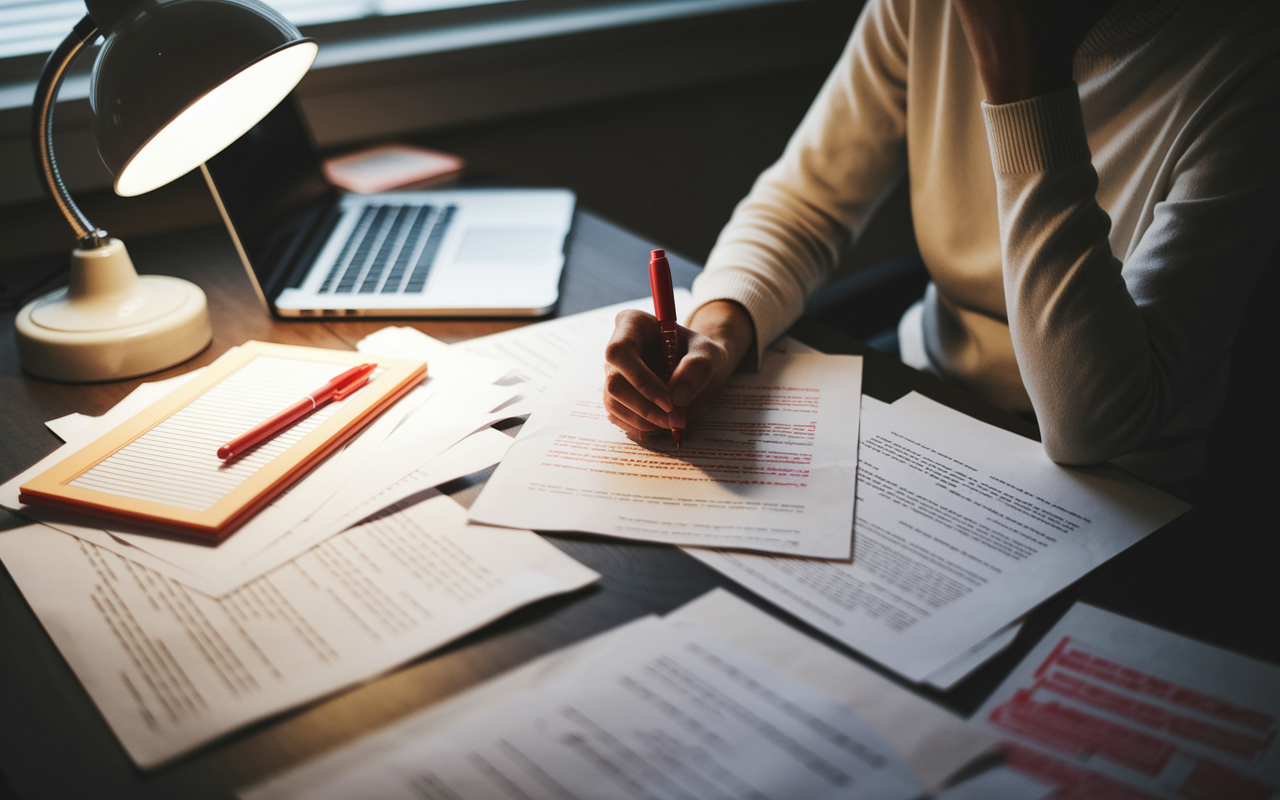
x,y
347,391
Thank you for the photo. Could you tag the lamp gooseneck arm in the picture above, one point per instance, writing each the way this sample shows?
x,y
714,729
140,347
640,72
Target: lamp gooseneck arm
x,y
55,69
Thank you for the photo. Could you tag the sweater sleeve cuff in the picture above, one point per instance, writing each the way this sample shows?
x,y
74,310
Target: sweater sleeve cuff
x,y
1036,135
744,289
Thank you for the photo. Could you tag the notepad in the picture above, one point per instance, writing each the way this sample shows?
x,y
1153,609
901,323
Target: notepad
x,y
161,469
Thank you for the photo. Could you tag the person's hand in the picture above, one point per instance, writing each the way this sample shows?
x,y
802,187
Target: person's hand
x,y
1024,48
636,398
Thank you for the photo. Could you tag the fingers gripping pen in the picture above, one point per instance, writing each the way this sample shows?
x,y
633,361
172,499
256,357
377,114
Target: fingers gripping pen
x,y
664,308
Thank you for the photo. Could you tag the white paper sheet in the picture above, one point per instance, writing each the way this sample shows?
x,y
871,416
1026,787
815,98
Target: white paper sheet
x,y
770,468
395,340
537,352
1108,707
681,707
961,529
171,668
406,342
70,426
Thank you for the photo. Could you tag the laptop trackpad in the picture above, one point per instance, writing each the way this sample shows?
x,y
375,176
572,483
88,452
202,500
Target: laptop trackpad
x,y
507,246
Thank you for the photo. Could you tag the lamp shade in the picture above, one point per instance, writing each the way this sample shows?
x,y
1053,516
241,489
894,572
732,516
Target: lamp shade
x,y
175,82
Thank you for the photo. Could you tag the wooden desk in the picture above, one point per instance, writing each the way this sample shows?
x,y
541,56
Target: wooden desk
x,y
53,743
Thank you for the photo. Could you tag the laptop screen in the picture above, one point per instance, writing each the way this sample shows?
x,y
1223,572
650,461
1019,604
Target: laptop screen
x,y
274,193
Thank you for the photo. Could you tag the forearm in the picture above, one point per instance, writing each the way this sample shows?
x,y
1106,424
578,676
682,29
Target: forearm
x,y
1110,353
1080,341
788,234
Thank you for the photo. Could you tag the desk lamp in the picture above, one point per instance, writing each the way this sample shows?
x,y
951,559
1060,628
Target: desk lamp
x,y
175,82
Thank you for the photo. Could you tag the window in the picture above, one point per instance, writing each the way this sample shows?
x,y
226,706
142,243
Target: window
x,y
419,65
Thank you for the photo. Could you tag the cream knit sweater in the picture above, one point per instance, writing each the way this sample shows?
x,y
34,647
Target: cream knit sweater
x,y
1091,250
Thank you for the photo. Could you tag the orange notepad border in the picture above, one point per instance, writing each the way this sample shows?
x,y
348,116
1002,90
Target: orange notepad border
x,y
52,489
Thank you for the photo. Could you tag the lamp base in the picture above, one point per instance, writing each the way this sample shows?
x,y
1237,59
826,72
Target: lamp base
x,y
111,324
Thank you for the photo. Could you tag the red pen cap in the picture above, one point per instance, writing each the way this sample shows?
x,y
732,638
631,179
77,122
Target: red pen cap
x,y
664,301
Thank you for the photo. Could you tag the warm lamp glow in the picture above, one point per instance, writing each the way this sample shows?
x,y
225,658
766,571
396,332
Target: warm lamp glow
x,y
215,120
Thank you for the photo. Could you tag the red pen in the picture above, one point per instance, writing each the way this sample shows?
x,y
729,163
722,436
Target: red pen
x,y
664,308
340,388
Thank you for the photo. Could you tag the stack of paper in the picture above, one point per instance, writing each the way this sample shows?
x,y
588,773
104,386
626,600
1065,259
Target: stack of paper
x,y
716,700
421,438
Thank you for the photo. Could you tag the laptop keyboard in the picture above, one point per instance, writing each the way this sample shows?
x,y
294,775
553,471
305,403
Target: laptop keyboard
x,y
390,250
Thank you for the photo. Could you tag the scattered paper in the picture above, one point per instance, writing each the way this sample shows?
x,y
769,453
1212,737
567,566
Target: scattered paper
x,y
396,456
659,708
171,669
771,467
480,450
1108,707
961,529
401,447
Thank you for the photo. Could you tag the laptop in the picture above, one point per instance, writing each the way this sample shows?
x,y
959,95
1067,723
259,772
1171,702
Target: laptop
x,y
312,251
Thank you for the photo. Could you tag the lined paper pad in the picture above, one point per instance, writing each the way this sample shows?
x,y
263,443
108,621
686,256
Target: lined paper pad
x,y
160,468
176,462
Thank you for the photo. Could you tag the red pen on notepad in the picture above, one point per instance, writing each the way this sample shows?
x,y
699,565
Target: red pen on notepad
x,y
664,308
340,388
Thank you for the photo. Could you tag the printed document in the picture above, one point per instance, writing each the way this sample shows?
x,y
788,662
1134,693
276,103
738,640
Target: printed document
x,y
961,529
171,668
1108,707
683,707
771,467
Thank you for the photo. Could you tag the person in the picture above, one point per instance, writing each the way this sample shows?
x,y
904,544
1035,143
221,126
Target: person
x,y
1095,189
